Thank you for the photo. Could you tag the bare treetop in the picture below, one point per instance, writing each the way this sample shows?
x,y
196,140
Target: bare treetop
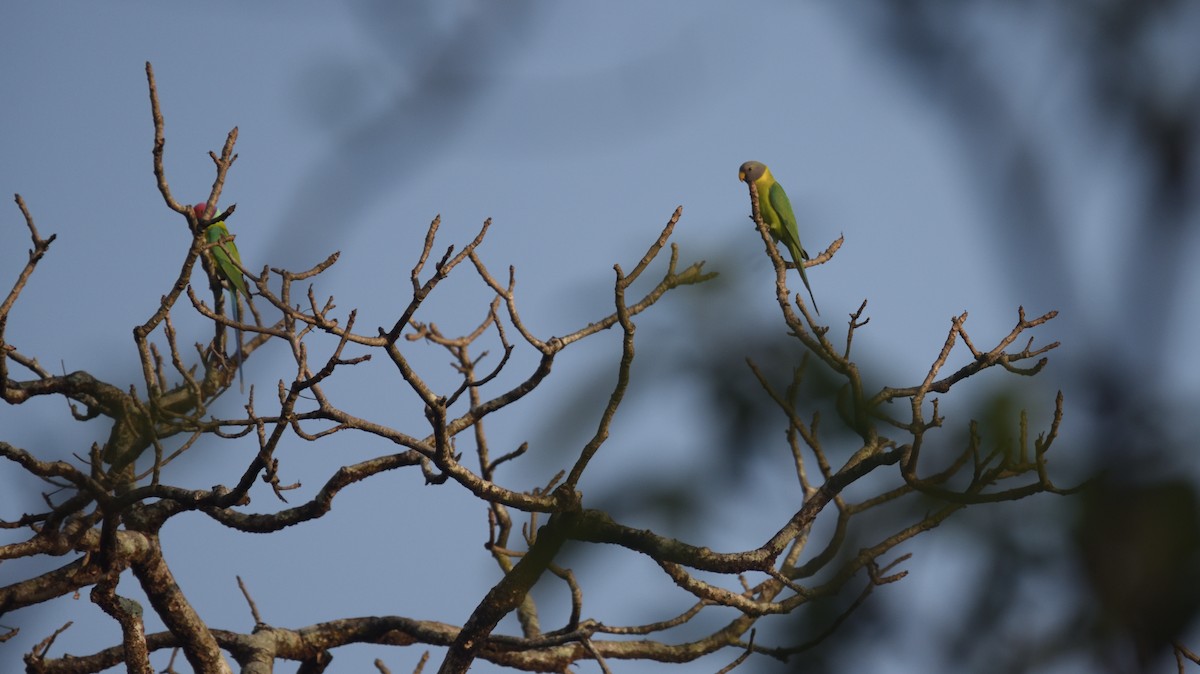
x,y
104,512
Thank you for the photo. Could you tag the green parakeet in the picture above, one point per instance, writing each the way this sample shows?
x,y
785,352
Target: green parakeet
x,y
225,260
777,213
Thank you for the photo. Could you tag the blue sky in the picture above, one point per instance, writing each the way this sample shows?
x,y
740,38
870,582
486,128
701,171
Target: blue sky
x,y
578,132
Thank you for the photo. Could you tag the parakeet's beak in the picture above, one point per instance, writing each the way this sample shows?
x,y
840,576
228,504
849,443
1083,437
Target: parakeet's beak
x,y
742,176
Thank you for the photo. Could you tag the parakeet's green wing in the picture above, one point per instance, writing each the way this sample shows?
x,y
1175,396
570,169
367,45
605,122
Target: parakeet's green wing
x,y
225,266
790,233
225,253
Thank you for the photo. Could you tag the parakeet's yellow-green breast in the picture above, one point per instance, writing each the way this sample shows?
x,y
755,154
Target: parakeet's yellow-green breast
x,y
777,214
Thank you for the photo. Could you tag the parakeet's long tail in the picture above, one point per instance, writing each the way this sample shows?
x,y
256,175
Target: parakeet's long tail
x,y
804,277
798,257
237,355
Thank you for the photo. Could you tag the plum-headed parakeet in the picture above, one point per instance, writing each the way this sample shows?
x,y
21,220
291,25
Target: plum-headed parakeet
x,y
225,259
777,213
